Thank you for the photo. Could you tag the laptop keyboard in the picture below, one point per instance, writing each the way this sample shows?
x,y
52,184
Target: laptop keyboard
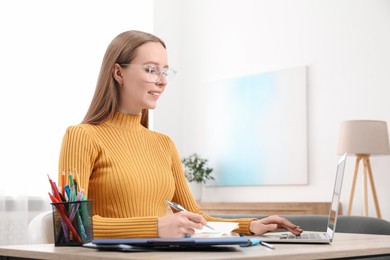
x,y
311,236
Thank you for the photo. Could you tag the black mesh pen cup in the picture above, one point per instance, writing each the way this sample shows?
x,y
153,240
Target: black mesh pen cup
x,y
72,222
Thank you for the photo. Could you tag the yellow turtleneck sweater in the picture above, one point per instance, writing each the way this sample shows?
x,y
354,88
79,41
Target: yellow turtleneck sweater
x,y
128,171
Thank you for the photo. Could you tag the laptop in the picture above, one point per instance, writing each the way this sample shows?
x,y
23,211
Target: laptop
x,y
324,237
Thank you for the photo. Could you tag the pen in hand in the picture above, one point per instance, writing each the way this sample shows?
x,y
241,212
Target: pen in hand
x,y
179,207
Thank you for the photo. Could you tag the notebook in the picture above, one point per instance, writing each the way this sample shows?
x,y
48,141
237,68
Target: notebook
x,y
324,237
220,234
219,229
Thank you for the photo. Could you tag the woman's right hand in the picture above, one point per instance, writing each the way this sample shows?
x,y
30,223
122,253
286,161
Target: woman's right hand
x,y
179,224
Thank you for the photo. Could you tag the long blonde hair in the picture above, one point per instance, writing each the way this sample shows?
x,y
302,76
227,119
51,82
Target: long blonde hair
x,y
122,50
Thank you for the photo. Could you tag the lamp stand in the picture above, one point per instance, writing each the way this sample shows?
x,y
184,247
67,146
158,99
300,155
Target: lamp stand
x,y
366,171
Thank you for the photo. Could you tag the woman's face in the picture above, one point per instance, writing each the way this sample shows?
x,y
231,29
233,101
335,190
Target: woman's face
x,y
137,91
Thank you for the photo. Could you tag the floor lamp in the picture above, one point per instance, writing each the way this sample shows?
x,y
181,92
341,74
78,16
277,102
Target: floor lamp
x,y
363,138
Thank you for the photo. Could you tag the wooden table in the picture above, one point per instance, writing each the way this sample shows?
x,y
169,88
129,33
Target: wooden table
x,y
344,245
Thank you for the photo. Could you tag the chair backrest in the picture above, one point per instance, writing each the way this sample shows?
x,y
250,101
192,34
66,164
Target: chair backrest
x,y
363,225
40,229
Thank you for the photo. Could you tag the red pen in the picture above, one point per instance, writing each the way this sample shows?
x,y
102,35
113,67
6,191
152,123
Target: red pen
x,y
55,190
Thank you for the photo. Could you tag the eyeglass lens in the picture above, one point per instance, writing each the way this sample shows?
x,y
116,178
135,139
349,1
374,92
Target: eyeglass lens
x,y
155,74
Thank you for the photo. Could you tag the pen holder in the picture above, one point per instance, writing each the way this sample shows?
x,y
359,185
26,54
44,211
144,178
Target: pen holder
x,y
72,222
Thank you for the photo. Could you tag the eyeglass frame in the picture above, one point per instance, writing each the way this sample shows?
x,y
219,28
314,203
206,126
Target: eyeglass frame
x,y
159,70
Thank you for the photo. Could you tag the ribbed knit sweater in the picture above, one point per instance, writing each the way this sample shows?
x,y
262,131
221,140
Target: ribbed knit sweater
x,y
128,171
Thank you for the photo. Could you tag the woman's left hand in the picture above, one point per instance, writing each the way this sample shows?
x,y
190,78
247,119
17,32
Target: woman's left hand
x,y
272,223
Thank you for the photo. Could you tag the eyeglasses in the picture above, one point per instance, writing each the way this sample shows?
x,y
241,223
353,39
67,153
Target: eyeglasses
x,y
155,72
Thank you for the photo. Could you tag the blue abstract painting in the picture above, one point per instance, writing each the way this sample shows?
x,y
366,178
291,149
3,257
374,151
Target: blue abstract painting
x,y
256,129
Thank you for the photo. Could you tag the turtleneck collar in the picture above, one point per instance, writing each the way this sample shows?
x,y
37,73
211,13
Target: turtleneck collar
x,y
125,121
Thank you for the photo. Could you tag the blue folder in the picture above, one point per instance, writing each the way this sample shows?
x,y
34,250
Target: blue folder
x,y
130,243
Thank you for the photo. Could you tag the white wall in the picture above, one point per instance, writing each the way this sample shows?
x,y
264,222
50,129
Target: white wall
x,y
51,53
345,45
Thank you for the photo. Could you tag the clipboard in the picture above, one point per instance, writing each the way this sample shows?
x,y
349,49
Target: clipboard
x,y
138,244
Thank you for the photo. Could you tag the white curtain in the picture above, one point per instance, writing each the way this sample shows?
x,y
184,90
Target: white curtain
x,y
13,220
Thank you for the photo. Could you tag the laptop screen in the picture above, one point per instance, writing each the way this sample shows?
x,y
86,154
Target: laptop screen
x,y
334,209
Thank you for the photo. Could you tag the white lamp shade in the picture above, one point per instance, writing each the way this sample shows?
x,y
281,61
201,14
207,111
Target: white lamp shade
x,y
363,137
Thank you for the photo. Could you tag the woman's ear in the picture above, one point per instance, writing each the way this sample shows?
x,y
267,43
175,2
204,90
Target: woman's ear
x,y
117,74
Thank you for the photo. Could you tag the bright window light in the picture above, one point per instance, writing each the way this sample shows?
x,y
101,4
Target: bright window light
x,y
51,52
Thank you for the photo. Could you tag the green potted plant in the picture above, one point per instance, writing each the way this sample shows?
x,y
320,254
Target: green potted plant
x,y
196,169
197,173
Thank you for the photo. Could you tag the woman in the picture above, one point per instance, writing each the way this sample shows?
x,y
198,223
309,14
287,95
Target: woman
x,y
127,170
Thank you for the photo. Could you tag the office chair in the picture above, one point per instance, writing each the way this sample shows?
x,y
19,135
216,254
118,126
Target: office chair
x,y
40,229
